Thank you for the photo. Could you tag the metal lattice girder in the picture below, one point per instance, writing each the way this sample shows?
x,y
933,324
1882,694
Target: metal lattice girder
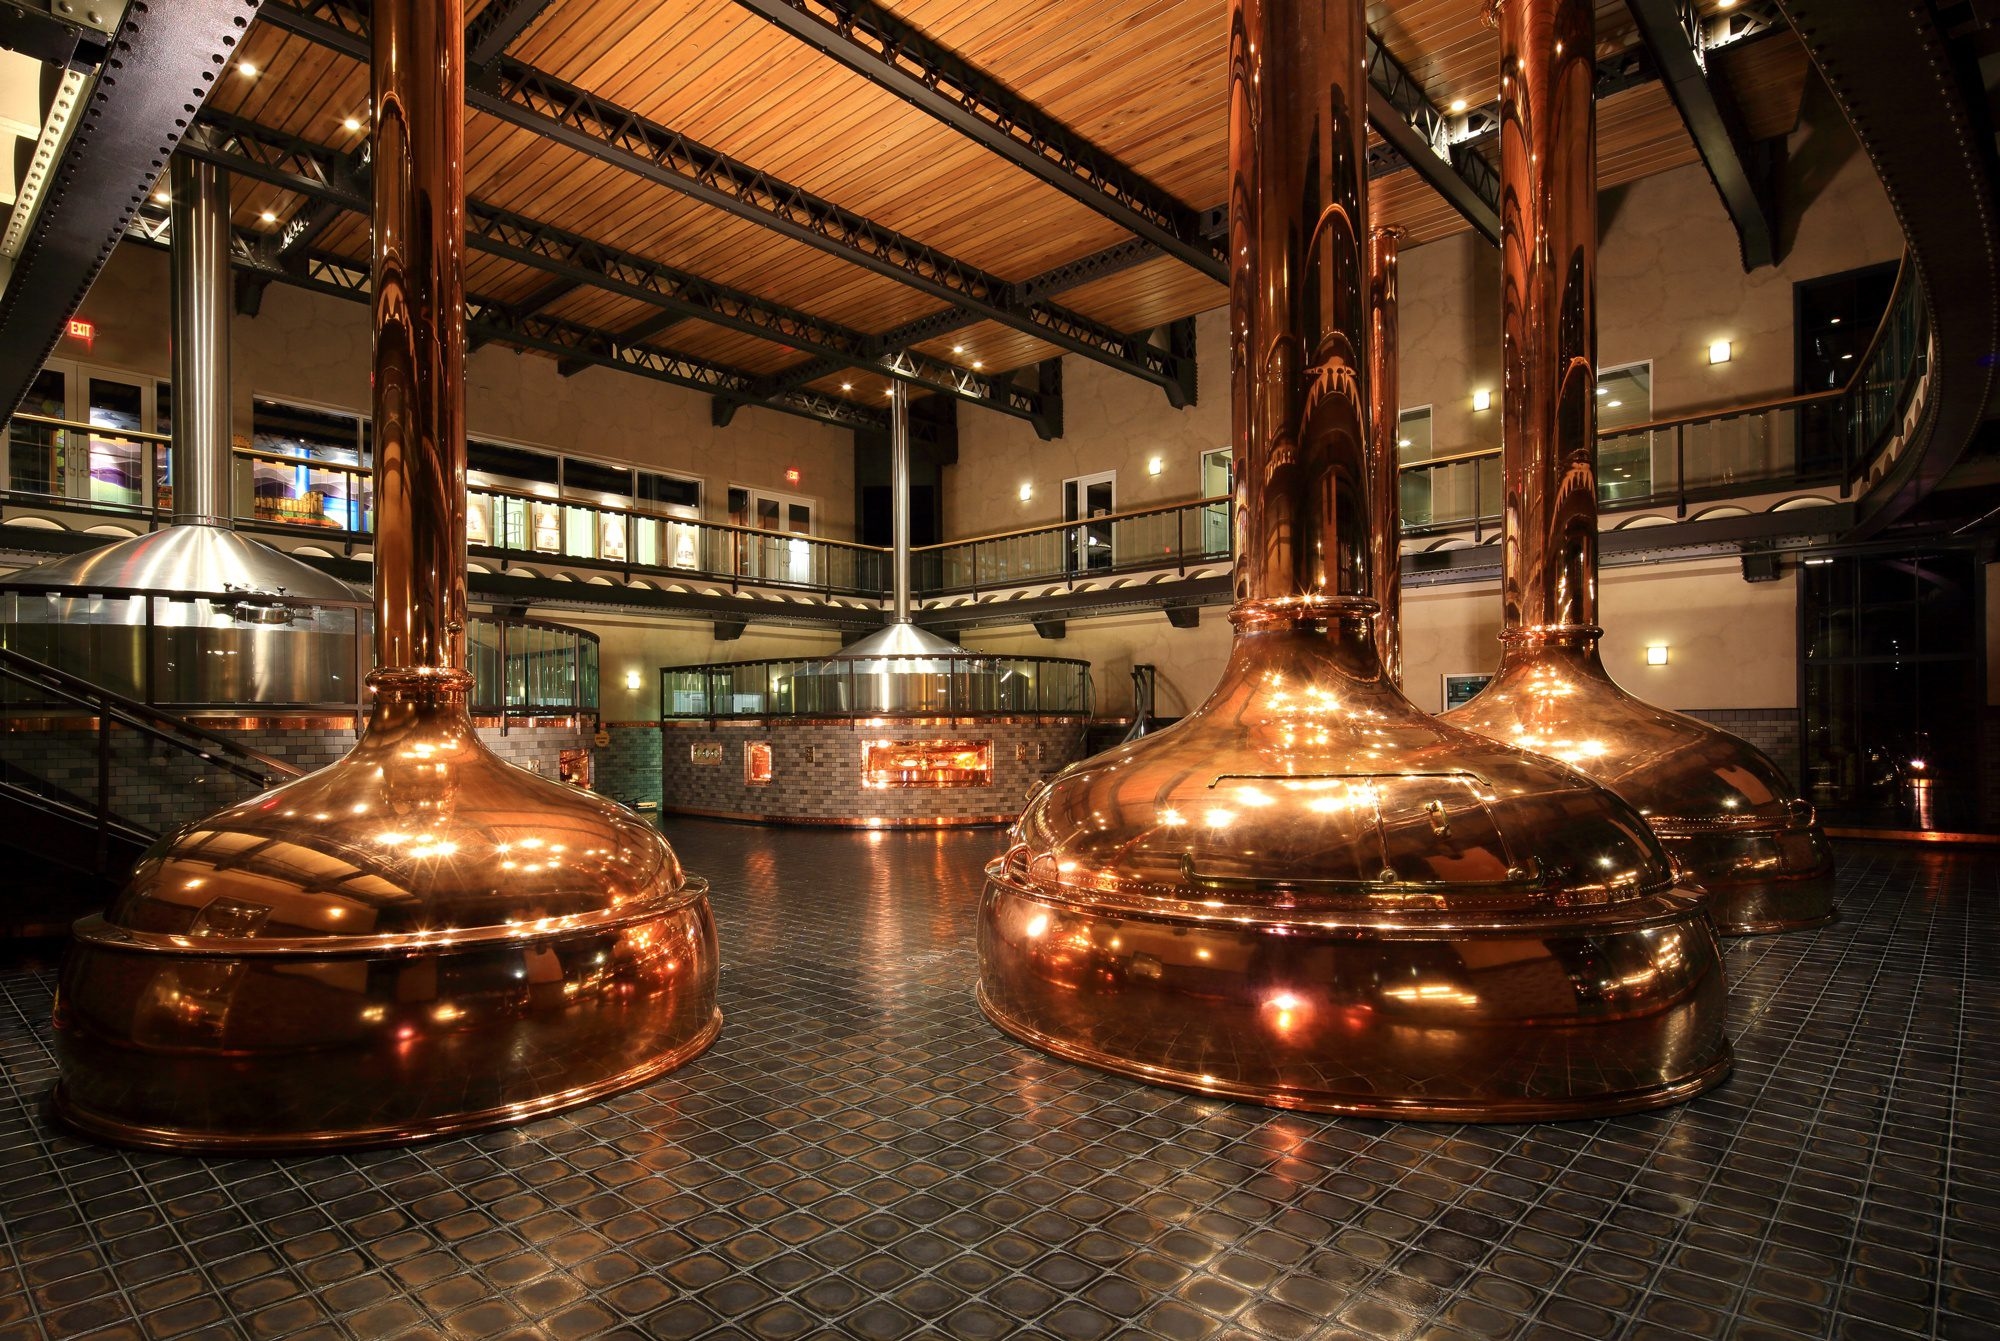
x,y
499,26
882,48
166,59
571,256
491,322
1673,31
1404,116
548,106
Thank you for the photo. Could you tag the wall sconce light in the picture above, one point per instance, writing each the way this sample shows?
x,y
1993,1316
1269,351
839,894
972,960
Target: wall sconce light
x,y
1482,400
792,476
632,680
1719,351
1656,654
1156,465
1027,492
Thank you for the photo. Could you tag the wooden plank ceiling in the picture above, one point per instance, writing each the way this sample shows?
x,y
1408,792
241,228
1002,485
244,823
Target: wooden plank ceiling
x,y
1141,79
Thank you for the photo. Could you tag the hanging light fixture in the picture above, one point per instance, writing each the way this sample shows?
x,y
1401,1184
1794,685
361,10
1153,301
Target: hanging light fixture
x,y
1724,811
1307,893
421,938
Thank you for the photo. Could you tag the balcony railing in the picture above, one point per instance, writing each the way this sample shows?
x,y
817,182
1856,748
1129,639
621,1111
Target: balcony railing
x,y
965,685
1826,437
1173,536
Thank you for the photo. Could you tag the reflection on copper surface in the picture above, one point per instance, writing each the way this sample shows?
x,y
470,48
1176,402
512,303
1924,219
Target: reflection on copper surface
x,y
1307,893
419,939
926,763
1385,558
1724,811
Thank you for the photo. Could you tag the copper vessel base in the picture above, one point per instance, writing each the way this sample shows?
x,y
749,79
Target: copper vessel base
x,y
1587,1016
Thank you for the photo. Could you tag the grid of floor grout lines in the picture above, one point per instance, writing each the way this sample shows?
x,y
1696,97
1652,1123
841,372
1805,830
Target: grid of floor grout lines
x,y
863,1155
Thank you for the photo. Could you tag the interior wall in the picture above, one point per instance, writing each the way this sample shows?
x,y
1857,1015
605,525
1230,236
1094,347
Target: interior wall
x,y
1670,281
316,349
1188,662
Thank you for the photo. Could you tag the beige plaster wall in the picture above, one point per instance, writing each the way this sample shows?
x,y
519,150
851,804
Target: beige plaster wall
x,y
1670,280
314,349
1730,643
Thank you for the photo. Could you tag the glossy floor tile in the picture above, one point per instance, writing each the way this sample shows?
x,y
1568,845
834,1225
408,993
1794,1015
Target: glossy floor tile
x,y
862,1155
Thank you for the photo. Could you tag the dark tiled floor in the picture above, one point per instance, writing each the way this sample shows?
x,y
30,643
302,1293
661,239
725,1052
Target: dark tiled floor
x,y
862,1155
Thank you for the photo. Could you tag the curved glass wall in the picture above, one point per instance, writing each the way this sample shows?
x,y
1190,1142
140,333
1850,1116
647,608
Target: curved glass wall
x,y
219,653
968,685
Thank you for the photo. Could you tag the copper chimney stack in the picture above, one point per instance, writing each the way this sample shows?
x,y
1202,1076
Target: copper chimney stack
x,y
1308,893
1741,840
1385,484
420,939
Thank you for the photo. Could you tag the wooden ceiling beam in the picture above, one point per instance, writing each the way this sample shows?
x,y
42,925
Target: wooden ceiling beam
x,y
890,53
1744,172
545,105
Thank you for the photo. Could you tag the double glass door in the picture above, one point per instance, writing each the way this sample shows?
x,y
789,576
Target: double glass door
x,y
100,467
1084,498
782,552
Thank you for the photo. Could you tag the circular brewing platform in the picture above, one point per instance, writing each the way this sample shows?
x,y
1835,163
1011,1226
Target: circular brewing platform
x,y
1310,895
420,939
1753,853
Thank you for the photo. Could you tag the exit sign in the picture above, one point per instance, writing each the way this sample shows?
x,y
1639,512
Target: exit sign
x,y
79,329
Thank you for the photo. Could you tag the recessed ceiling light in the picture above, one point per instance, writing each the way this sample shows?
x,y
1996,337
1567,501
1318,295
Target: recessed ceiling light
x,y
976,365
248,70
268,217
958,349
162,197
1458,104
847,386
351,123
1835,321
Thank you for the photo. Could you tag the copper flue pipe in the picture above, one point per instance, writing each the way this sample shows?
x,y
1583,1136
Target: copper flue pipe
x,y
418,144
1385,531
1548,249
1297,298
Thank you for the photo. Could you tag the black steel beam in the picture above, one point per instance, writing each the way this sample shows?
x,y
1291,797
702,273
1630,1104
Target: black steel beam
x,y
882,48
1404,116
494,322
498,27
1673,31
570,256
548,106
167,60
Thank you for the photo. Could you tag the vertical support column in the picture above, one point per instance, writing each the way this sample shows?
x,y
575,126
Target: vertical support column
x,y
199,283
1298,267
1385,555
1548,254
899,487
419,306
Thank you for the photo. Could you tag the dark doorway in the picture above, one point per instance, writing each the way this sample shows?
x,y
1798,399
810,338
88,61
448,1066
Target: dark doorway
x,y
1892,688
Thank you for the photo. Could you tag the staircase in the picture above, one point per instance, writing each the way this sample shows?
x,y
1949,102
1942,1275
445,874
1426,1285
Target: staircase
x,y
75,759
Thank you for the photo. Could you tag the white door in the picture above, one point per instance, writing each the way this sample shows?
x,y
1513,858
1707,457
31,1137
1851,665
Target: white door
x,y
1090,544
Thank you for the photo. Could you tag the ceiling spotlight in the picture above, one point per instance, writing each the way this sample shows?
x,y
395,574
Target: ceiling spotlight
x,y
351,123
268,217
847,386
977,365
958,349
1458,104
162,197
248,70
